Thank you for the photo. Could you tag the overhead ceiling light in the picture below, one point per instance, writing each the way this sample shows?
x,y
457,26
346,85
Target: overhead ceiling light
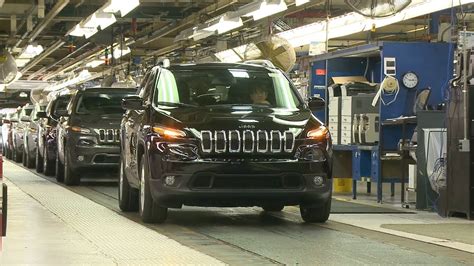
x,y
354,23
21,62
228,56
265,8
225,23
95,63
121,52
81,31
31,51
301,2
100,19
201,34
124,6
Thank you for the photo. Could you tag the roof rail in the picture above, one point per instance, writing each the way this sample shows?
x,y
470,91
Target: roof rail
x,y
261,62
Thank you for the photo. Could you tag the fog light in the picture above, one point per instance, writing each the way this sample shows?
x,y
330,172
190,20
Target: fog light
x,y
318,180
80,158
169,180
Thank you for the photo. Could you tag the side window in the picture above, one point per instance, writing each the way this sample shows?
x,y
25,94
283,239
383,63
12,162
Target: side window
x,y
143,84
167,87
146,91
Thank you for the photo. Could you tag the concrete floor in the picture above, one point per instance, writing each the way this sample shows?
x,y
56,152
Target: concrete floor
x,y
52,224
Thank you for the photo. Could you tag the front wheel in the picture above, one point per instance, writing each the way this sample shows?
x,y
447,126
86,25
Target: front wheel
x,y
149,210
59,169
318,214
48,165
127,196
39,161
29,162
71,178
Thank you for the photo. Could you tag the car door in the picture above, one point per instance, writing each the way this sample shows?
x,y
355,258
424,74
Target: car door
x,y
132,124
62,126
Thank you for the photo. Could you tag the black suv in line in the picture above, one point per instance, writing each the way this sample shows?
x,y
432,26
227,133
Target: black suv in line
x,y
47,148
88,132
18,132
31,136
218,134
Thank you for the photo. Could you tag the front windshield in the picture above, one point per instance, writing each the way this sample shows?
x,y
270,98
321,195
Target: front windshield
x,y
101,103
220,86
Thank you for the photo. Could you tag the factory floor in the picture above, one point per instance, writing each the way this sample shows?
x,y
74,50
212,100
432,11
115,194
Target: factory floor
x,y
51,224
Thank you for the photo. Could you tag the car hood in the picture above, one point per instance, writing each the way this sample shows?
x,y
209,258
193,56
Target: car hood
x,y
237,118
97,121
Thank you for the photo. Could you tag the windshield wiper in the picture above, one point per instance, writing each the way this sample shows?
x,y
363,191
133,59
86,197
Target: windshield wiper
x,y
176,104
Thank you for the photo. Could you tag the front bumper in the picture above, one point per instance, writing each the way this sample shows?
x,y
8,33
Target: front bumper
x,y
96,156
238,183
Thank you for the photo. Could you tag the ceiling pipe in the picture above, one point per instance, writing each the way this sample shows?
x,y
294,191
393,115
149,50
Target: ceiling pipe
x,y
191,19
43,55
53,13
39,72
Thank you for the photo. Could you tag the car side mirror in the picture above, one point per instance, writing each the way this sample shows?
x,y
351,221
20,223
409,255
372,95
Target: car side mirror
x,y
133,103
316,104
41,115
25,119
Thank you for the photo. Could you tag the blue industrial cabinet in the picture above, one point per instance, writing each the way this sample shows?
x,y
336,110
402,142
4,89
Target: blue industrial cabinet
x,y
432,62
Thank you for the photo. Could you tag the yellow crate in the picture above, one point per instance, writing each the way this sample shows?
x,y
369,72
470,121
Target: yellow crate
x,y
342,184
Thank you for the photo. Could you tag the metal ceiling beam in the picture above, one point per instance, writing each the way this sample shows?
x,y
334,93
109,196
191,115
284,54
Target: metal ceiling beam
x,y
43,24
43,55
191,19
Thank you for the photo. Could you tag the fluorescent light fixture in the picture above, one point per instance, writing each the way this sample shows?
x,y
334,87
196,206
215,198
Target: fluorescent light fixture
x,y
21,62
201,34
81,31
354,23
228,56
266,8
301,2
124,6
95,63
31,51
84,75
119,53
99,19
225,23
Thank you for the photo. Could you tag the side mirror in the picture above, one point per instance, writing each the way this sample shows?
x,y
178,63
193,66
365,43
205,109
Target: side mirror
x,y
133,103
316,104
41,115
62,113
25,119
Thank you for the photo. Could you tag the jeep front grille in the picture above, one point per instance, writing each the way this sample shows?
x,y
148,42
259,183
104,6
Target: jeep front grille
x,y
109,135
247,141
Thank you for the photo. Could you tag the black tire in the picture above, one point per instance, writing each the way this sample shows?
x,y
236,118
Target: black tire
x,y
39,161
149,211
316,214
23,156
18,157
273,208
8,153
29,163
49,168
127,196
71,178
59,169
